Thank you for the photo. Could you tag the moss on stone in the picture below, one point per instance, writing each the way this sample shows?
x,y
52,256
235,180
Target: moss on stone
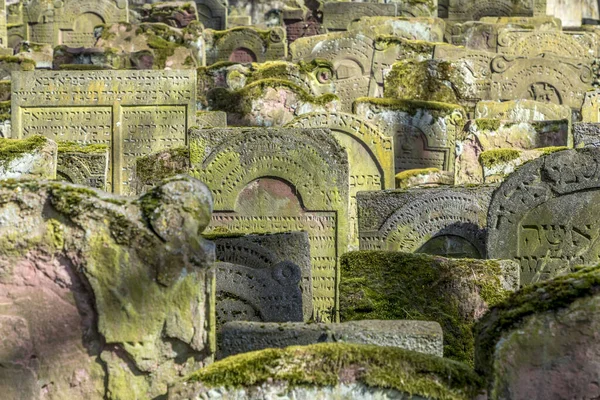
x,y
421,80
74,147
491,158
5,110
167,163
82,67
26,64
412,106
390,285
541,297
404,176
328,364
488,124
10,149
552,149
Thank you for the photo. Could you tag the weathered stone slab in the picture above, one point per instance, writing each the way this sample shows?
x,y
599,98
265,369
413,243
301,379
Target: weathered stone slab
x,y
424,132
245,45
9,64
34,157
586,134
548,333
549,79
280,180
490,149
242,337
447,221
321,371
351,57
455,293
590,110
300,22
570,12
102,296
153,168
541,22
470,10
370,155
422,28
83,164
135,112
522,111
543,215
177,14
211,119
71,22
212,14
338,15
273,255
536,43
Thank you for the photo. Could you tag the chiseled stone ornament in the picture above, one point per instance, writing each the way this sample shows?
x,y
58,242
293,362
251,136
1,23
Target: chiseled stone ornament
x,y
424,132
447,221
103,296
473,10
549,79
280,180
83,164
543,215
586,134
245,45
590,111
242,337
278,268
535,43
370,155
71,22
134,112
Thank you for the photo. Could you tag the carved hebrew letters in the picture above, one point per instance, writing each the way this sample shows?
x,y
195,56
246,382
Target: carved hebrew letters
x,y
136,112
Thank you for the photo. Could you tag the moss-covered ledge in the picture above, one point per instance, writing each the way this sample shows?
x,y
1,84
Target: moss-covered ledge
x,y
330,364
542,297
453,292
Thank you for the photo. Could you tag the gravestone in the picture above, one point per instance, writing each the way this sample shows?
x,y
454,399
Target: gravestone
x,y
422,28
71,22
211,119
245,45
547,79
272,255
370,155
586,134
3,29
350,55
522,110
212,13
424,132
177,14
83,164
446,221
472,10
534,43
279,180
300,23
543,215
338,15
419,336
134,112
590,110
34,157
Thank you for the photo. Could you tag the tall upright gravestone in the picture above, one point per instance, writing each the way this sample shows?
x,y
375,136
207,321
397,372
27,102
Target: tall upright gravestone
x,y
135,112
280,180
545,215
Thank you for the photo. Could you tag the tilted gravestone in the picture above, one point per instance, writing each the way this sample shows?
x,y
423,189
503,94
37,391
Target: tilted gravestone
x,y
280,261
245,45
279,180
543,215
350,55
370,155
419,336
446,221
71,22
103,297
424,132
134,112
83,164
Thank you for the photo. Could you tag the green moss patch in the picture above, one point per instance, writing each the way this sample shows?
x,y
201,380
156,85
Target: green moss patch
x,y
488,124
158,166
391,285
328,364
495,157
74,147
552,149
412,106
11,149
541,297
423,80
403,177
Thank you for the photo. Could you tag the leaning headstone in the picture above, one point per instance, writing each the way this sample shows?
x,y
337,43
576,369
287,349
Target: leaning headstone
x,y
543,215
83,164
331,371
136,112
242,337
280,180
447,221
34,157
455,293
103,297
245,45
546,333
424,132
272,254
370,155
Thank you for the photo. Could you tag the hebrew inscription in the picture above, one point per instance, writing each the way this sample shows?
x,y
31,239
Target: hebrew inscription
x,y
135,112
